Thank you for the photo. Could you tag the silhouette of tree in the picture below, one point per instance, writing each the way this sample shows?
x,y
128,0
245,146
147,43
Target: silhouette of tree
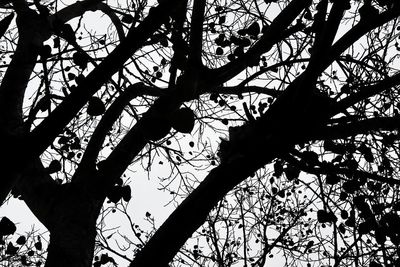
x,y
274,122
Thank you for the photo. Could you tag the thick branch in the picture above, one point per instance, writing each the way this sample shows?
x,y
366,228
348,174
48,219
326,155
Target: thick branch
x,y
358,30
193,211
113,112
367,91
355,128
341,170
273,34
38,190
74,10
44,134
237,90
196,33
12,91
326,32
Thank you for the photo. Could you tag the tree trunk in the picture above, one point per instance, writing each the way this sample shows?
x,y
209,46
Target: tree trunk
x,y
73,228
71,245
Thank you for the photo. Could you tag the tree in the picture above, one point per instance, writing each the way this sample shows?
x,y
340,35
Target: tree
x,y
305,87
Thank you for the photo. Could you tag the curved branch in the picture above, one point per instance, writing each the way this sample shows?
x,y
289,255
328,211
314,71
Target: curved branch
x,y
89,158
114,19
44,133
74,10
12,91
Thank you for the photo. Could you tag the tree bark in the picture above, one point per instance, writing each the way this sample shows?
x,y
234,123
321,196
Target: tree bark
x,y
71,244
12,90
72,228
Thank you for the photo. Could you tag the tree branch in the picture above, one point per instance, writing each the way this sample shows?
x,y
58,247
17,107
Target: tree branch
x,y
38,190
273,34
366,126
44,133
367,91
196,34
12,90
89,158
357,31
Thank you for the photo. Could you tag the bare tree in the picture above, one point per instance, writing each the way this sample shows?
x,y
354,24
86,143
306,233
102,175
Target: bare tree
x,y
292,87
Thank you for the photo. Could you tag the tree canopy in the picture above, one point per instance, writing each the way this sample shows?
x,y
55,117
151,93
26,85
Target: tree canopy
x,y
273,126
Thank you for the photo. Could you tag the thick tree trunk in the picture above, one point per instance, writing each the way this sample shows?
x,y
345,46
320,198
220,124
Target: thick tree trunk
x,y
71,245
73,228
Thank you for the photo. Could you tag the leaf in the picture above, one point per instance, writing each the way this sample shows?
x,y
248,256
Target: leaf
x,y
219,51
332,179
54,166
292,172
281,193
351,186
126,193
44,103
183,120
253,29
307,15
7,227
278,168
127,18
11,249
21,240
344,214
45,51
164,41
324,216
274,190
222,20
104,259
115,194
351,221
38,245
95,107
80,59
71,76
342,228
366,152
67,33
380,235
56,42
24,260
5,23
242,32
